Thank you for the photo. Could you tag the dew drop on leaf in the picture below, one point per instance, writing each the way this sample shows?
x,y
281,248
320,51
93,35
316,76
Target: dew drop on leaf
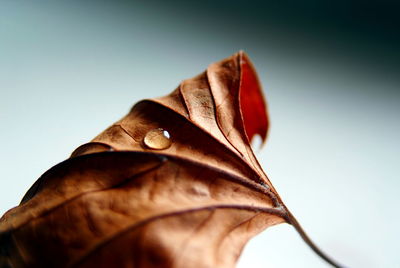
x,y
157,139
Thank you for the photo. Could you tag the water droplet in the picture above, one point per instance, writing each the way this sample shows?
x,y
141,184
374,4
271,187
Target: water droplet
x,y
157,139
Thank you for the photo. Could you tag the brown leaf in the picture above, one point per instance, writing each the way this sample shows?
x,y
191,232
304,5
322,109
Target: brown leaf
x,y
174,183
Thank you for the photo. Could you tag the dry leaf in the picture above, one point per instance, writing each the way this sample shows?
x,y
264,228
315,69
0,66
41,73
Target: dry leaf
x,y
174,183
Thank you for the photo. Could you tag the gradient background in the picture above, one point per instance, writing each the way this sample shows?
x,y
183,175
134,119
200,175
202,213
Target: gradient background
x,y
330,71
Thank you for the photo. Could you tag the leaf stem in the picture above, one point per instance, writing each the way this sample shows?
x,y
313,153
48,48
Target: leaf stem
x,y
292,220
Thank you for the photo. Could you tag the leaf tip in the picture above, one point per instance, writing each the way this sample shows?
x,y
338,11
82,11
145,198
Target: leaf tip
x,y
251,99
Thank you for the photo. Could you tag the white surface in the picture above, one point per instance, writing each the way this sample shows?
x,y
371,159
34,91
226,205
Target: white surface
x,y
68,72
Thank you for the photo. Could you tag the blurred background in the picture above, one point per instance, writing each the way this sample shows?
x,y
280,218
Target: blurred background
x,y
330,72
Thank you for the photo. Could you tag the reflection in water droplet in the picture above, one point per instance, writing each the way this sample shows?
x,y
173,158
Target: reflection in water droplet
x,y
157,139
